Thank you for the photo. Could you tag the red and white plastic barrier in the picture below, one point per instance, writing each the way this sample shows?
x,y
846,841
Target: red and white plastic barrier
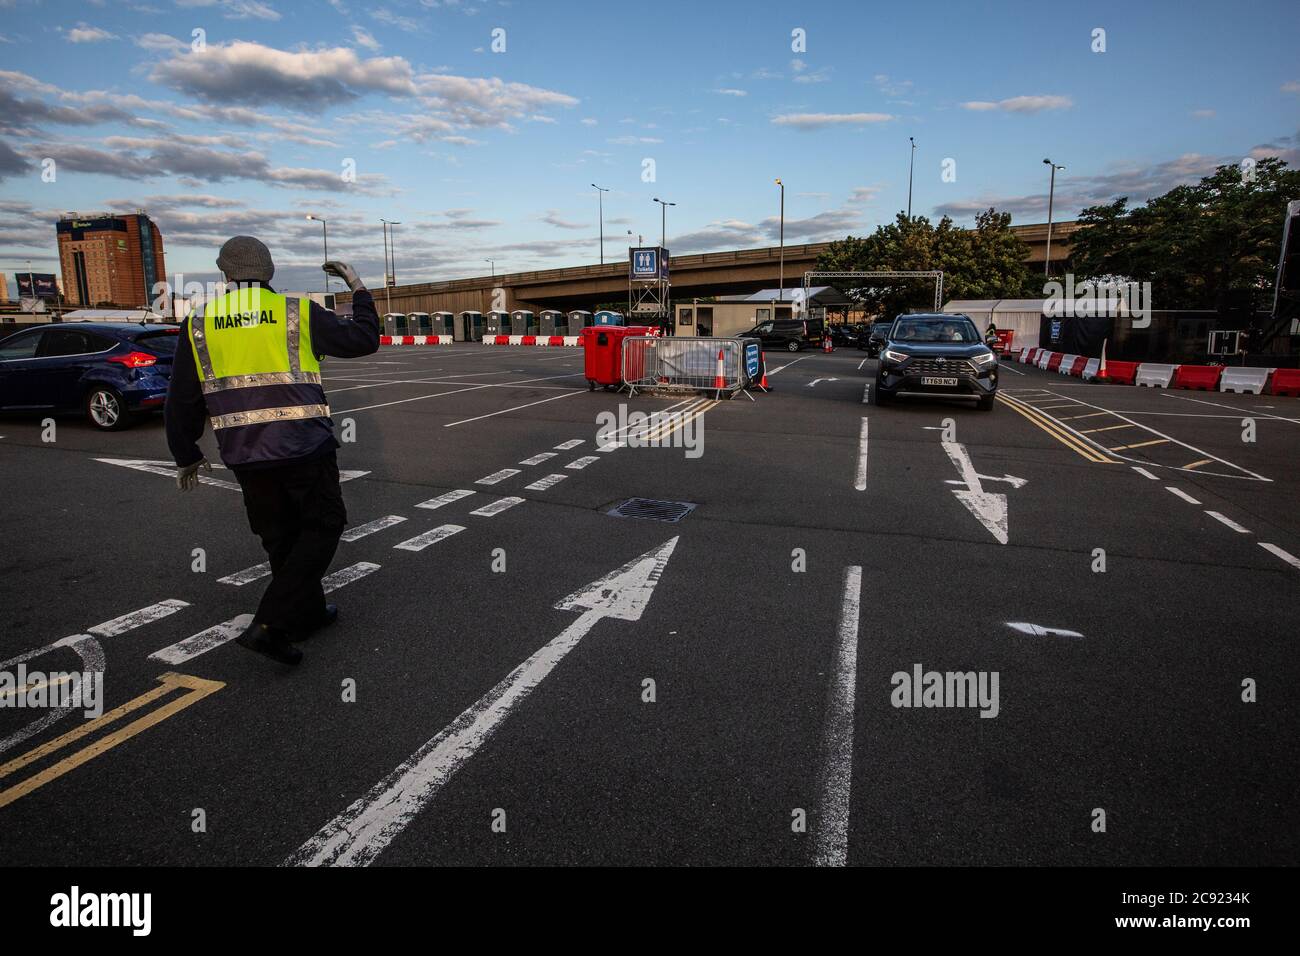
x,y
415,340
1209,378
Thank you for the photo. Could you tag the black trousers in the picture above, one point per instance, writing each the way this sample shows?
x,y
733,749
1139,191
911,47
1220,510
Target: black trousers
x,y
297,510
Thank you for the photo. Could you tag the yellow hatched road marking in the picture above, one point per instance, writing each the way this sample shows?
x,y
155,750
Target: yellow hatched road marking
x,y
1056,431
35,685
1141,444
196,689
1198,464
1108,428
1070,418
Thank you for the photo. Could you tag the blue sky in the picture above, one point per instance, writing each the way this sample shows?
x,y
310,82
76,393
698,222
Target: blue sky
x,y
484,154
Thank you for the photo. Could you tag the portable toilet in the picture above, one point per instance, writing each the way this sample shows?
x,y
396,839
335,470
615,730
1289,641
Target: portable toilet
x,y
417,323
522,322
549,322
496,322
469,326
441,323
606,317
395,323
578,320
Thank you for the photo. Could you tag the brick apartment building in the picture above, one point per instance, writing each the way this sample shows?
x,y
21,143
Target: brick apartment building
x,y
110,259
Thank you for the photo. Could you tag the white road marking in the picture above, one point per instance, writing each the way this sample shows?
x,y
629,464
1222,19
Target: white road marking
x,y
570,444
553,398
454,391
370,527
1228,521
831,837
361,832
204,641
1234,408
445,499
866,394
773,371
344,576
1181,494
1286,556
92,661
580,463
1037,630
422,541
816,380
538,459
1144,473
860,479
168,471
497,476
862,363
246,576
541,484
496,507
146,615
989,508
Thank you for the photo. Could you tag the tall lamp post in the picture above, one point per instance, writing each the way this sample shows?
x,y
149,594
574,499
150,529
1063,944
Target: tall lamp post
x,y
781,273
600,205
1051,195
493,264
911,165
324,231
390,261
663,220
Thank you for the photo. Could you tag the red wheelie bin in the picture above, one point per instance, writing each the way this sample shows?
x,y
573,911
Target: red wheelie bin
x,y
602,353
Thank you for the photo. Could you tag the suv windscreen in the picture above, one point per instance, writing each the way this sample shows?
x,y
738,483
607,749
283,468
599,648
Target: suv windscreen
x,y
959,331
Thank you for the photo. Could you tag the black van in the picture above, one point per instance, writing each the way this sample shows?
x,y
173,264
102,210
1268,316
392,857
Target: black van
x,y
789,334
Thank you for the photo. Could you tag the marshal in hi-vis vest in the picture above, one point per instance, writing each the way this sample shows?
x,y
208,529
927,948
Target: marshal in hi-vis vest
x,y
260,377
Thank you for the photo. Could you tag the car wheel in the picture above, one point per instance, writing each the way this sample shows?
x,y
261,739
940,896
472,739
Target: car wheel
x,y
106,410
986,402
792,346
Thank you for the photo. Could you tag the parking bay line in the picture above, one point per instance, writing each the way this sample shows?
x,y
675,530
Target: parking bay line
x,y
344,576
454,391
422,541
1181,494
1277,552
831,837
579,463
541,484
370,527
445,499
860,478
543,401
494,508
127,622
1223,519
202,642
497,476
195,690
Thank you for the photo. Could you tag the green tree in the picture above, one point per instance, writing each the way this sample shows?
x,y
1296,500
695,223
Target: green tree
x,y
985,262
1211,245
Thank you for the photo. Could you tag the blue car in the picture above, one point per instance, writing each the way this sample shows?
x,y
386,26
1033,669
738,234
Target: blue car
x,y
113,372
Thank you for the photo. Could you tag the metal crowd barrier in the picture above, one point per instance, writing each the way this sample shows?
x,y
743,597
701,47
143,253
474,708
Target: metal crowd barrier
x,y
680,363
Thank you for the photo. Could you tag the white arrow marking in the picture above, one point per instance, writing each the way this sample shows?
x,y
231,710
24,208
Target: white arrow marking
x,y
361,832
989,509
816,380
1037,630
167,469
1012,480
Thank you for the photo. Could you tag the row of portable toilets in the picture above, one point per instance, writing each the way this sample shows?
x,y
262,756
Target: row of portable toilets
x,y
473,326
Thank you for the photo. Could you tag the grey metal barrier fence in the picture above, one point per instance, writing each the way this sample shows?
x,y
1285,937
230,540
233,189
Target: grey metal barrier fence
x,y
680,363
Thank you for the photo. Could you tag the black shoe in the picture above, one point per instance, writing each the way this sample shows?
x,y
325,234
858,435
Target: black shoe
x,y
329,616
270,641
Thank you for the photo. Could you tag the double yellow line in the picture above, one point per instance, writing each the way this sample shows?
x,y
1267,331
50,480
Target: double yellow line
x,y
1056,430
679,420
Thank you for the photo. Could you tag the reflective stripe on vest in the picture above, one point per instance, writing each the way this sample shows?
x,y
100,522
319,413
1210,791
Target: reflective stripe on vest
x,y
257,368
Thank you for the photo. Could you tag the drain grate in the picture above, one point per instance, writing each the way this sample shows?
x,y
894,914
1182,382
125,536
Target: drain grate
x,y
649,509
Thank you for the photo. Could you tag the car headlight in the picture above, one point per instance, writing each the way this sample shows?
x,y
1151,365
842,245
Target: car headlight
x,y
986,360
889,355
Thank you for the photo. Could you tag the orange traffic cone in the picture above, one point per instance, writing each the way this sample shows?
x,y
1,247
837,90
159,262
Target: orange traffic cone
x,y
1101,366
827,347
719,380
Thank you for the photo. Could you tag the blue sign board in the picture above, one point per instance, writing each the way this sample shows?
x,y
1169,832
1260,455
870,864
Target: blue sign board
x,y
645,263
752,358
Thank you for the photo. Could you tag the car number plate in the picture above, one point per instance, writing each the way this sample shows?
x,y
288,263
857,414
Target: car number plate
x,y
931,380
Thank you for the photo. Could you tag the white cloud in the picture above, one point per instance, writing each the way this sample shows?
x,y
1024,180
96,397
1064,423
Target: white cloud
x,y
1021,104
1292,86
731,92
161,42
809,121
363,37
82,33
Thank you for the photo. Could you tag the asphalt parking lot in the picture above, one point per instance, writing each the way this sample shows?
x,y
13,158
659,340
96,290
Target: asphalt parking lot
x,y
538,681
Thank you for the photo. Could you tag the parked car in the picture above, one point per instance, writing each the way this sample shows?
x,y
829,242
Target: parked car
x,y
789,334
114,372
936,355
842,336
872,340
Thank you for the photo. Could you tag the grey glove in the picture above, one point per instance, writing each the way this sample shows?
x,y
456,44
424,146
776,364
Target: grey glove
x,y
188,476
345,272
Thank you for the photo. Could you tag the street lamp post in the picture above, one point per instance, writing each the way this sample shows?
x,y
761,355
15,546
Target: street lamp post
x,y
493,264
324,231
1051,195
390,263
600,205
911,165
781,273
663,221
